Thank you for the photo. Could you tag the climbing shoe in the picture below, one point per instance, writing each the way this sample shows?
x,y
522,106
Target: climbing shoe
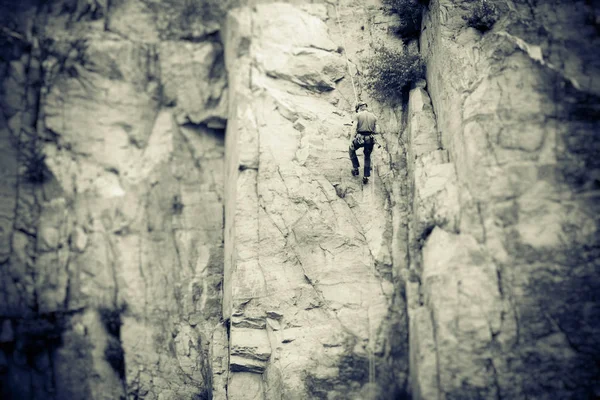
x,y
365,180
355,171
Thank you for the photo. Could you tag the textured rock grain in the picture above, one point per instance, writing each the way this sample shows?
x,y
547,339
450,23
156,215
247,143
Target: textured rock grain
x,y
494,274
112,264
136,263
305,267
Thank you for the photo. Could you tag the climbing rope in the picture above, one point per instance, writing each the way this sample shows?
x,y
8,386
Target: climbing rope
x,y
337,14
371,344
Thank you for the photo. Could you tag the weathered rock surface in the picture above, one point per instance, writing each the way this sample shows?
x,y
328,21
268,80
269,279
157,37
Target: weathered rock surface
x,y
499,309
112,260
310,60
307,267
135,263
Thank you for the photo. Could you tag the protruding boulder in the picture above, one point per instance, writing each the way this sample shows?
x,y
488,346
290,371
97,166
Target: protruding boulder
x,y
250,349
313,69
436,201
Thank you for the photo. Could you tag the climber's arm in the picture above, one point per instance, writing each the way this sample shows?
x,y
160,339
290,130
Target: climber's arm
x,y
377,132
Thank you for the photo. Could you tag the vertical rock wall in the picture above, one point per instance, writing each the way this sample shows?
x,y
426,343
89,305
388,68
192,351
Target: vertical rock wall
x,y
308,267
474,244
112,224
505,212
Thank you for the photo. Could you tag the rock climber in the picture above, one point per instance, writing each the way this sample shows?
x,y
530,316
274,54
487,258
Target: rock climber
x,y
366,123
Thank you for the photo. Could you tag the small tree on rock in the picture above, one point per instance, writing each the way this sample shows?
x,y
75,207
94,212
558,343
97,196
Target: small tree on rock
x,y
390,73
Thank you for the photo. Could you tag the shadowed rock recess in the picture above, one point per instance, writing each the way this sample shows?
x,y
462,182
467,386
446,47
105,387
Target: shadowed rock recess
x,y
178,219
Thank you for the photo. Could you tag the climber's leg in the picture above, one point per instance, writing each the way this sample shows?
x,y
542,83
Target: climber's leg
x,y
353,158
368,150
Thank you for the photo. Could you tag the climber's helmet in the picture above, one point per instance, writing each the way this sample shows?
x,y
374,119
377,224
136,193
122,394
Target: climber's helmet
x,y
359,105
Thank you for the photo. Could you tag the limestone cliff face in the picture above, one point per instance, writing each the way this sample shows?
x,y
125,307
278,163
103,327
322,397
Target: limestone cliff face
x,y
506,204
112,219
309,289
178,219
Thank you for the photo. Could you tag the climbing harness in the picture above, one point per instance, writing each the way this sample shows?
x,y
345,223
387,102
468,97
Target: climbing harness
x,y
359,139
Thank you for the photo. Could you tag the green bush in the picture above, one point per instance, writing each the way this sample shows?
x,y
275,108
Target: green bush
x,y
390,73
410,12
484,16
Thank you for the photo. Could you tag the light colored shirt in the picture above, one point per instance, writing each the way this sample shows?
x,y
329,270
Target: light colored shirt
x,y
365,122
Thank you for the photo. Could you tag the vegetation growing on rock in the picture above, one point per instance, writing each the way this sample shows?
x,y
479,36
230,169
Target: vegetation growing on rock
x,y
483,17
390,72
410,12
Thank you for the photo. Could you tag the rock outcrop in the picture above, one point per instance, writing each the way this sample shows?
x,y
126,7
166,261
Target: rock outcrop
x,y
505,219
308,280
178,219
112,208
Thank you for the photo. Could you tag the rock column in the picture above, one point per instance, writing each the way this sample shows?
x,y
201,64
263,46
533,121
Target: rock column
x,y
505,214
308,258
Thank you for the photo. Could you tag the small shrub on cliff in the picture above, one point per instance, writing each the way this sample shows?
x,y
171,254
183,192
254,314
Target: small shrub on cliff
x,y
390,73
206,10
410,12
484,16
